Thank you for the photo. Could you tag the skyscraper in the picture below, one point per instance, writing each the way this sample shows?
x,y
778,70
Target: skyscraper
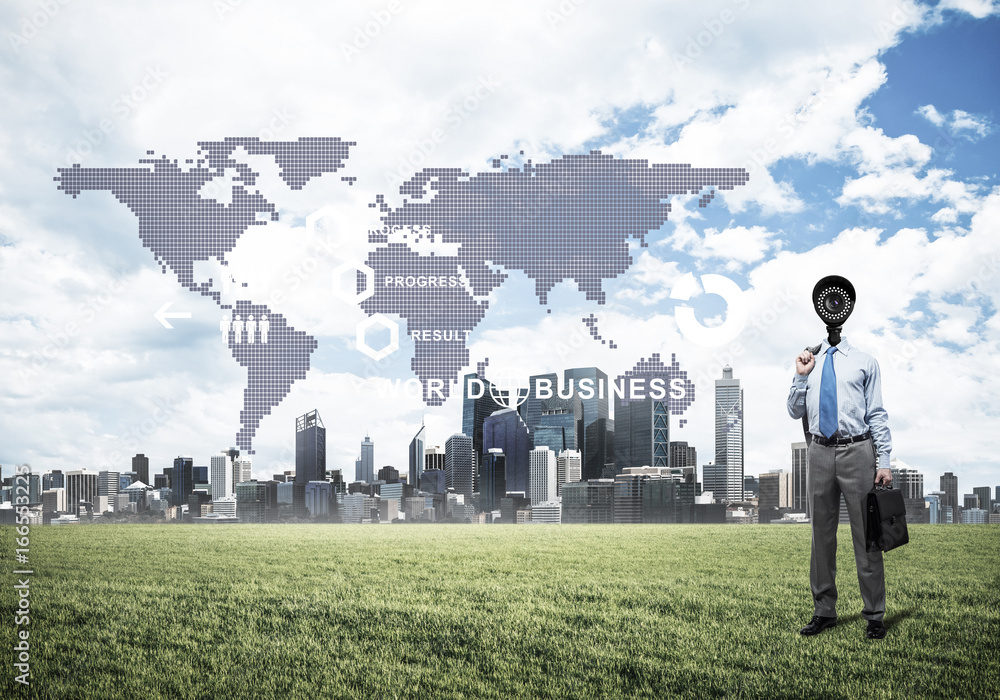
x,y
729,431
140,465
683,455
475,411
221,476
506,431
417,455
775,489
984,497
542,475
433,458
949,484
569,465
595,454
53,480
800,497
310,449
182,480
459,464
642,434
242,468
108,483
715,478
81,486
364,466
492,480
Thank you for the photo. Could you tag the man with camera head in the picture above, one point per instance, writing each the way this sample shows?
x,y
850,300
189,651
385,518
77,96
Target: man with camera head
x,y
849,445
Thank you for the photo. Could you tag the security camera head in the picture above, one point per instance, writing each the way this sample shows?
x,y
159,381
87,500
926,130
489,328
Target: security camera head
x,y
833,298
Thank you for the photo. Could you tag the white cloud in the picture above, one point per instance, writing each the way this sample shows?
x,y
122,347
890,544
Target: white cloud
x,y
977,8
958,123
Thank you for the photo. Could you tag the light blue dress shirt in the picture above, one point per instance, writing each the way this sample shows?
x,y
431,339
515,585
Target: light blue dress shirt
x,y
859,397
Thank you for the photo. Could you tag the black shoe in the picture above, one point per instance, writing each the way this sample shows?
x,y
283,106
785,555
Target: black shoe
x,y
876,629
818,624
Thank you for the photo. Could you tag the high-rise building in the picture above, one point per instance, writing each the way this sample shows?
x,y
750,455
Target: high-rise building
x,y
108,483
554,421
432,481
182,480
725,484
475,411
242,467
389,474
594,447
970,500
505,430
310,448
775,489
628,496
729,431
591,501
984,497
492,480
364,465
933,501
318,496
140,465
417,455
459,464
53,480
949,484
81,487
542,475
642,434
906,479
251,501
200,475
434,458
569,468
751,486
683,455
800,497
221,476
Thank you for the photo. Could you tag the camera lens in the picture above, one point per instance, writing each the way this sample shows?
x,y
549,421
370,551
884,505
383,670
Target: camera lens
x,y
834,302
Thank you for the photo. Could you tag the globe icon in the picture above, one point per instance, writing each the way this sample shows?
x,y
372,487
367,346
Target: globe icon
x,y
508,388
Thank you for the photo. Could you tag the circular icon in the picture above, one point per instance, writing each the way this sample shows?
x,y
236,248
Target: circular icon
x,y
508,388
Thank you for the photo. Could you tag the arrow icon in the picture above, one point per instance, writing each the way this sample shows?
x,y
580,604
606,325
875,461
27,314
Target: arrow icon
x,y
162,315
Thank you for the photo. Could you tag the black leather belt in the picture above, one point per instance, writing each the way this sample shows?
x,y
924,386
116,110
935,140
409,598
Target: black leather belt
x,y
827,442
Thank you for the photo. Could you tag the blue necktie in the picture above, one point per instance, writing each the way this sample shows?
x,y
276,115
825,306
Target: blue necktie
x,y
828,396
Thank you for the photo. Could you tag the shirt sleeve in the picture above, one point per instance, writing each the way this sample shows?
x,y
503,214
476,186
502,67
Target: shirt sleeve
x,y
876,416
797,396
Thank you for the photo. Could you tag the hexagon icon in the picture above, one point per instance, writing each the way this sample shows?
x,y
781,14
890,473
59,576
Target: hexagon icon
x,y
385,322
353,265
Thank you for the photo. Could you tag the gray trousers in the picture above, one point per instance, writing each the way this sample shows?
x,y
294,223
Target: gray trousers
x,y
831,470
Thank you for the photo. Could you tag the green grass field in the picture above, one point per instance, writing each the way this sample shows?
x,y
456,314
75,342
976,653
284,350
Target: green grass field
x,y
453,611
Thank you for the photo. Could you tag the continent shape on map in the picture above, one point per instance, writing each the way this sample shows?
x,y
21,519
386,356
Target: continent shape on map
x,y
568,219
181,227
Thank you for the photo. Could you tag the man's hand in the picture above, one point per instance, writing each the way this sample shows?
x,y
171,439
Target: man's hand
x,y
883,477
804,363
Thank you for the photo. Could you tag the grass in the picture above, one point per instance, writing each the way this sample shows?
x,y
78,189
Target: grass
x,y
439,611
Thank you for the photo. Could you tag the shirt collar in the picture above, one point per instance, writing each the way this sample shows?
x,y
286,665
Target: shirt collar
x,y
843,346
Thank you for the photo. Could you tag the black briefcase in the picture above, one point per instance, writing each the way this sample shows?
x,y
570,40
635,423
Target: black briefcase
x,y
885,524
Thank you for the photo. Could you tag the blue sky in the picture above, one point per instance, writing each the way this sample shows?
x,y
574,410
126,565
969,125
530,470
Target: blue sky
x,y
871,130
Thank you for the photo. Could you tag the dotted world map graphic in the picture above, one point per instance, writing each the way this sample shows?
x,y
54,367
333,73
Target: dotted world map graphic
x,y
567,219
